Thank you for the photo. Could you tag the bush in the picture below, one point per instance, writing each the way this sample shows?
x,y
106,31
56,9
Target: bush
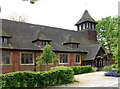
x,y
82,69
64,74
113,67
111,73
107,68
56,76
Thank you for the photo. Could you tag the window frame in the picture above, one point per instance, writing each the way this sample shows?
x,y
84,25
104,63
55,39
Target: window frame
x,y
64,55
28,60
3,40
9,58
79,57
74,44
43,43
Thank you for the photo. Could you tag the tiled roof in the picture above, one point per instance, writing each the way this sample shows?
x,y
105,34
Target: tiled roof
x,y
86,17
24,33
3,33
70,39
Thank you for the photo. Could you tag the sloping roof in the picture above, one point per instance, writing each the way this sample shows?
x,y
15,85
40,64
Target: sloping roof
x,y
24,33
86,17
42,36
3,33
70,39
93,51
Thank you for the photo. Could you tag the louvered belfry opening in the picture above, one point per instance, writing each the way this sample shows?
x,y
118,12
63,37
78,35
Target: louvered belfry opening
x,y
88,26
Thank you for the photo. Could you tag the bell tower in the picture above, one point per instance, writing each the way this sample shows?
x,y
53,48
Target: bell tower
x,y
88,26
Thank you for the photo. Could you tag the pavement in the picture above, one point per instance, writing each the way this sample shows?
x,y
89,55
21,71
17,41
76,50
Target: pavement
x,y
95,79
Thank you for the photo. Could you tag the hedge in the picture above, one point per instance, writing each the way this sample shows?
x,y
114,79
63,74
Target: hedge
x,y
56,76
82,69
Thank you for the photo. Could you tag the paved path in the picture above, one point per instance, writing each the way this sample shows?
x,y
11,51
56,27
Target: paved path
x,y
96,79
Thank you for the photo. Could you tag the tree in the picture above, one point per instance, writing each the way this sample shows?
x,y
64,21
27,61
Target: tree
x,y
31,1
107,34
47,56
19,18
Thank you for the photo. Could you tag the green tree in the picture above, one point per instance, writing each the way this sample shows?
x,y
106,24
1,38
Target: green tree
x,y
47,56
107,34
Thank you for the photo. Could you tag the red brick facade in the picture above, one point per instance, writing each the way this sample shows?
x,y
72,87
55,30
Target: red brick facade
x,y
15,62
90,34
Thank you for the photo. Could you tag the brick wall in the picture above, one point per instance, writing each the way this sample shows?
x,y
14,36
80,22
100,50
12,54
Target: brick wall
x,y
90,34
15,62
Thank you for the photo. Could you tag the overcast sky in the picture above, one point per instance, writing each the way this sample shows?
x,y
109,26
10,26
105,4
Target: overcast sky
x,y
58,13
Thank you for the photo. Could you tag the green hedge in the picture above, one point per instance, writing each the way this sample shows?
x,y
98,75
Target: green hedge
x,y
82,69
56,76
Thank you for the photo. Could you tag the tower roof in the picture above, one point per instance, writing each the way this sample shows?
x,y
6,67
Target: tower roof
x,y
86,17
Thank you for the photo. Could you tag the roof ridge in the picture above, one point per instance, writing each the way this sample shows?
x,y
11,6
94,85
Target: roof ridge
x,y
40,25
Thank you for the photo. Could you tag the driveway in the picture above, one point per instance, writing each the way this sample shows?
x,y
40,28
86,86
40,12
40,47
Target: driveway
x,y
96,79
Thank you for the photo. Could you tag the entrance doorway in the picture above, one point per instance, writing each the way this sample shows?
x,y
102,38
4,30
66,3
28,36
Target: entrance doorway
x,y
99,62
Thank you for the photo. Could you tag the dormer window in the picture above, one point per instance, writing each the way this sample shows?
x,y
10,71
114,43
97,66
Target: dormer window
x,y
74,45
4,40
4,37
43,43
42,40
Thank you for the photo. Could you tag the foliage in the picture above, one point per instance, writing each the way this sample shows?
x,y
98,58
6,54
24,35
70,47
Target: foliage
x,y
107,34
56,76
82,69
95,69
47,56
107,68
113,67
17,17
31,1
111,73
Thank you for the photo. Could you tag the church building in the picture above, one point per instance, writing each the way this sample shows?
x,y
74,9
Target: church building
x,y
21,43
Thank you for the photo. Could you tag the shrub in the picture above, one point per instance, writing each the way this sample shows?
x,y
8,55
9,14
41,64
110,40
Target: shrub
x,y
107,68
111,73
95,69
63,74
82,69
113,67
56,76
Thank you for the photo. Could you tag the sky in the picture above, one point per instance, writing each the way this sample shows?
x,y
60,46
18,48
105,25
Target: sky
x,y
58,13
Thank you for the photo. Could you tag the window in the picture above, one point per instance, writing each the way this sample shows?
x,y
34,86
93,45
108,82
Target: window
x,y
93,26
89,25
74,46
43,43
86,25
77,59
26,58
63,58
79,27
5,58
83,26
3,40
